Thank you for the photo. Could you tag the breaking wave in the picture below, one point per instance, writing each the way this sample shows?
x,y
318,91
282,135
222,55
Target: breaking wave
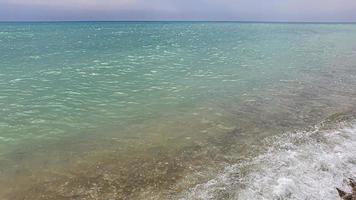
x,y
299,165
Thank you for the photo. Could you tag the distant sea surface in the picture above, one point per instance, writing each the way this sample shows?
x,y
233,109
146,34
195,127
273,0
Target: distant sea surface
x,y
176,110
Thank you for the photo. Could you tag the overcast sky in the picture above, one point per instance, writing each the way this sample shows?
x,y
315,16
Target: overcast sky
x,y
240,10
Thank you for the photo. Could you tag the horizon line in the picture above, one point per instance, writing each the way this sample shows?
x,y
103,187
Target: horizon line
x,y
148,21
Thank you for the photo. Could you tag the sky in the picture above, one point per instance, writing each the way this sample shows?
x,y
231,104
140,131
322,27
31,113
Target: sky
x,y
141,10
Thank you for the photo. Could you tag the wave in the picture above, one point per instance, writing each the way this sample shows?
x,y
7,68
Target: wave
x,y
299,165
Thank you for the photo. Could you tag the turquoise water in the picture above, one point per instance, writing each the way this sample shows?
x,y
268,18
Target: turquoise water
x,y
137,94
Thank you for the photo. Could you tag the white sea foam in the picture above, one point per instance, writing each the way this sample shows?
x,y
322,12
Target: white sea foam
x,y
302,165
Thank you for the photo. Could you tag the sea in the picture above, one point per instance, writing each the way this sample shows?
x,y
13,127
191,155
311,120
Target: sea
x,y
176,110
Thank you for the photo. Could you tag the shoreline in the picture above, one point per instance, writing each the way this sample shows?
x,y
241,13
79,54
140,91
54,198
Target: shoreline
x,y
152,174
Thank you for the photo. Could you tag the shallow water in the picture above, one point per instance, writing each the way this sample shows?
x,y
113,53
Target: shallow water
x,y
162,110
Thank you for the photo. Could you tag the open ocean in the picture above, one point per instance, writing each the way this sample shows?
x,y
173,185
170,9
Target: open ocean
x,y
176,110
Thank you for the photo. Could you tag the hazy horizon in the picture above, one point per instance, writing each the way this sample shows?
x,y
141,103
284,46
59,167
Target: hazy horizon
x,y
184,10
